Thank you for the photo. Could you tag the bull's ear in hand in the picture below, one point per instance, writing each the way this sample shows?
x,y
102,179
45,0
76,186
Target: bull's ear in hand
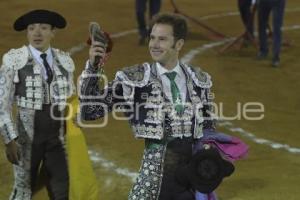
x,y
96,34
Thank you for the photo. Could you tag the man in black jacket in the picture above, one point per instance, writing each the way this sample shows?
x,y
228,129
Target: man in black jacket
x,y
167,104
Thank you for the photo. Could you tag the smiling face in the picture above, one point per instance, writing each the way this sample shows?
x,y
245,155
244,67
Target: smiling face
x,y
163,47
40,35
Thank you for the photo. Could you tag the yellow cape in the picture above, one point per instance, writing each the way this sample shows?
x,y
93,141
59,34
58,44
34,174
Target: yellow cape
x,y
83,183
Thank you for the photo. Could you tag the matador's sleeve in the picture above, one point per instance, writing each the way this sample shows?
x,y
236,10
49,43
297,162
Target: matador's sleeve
x,y
7,90
95,102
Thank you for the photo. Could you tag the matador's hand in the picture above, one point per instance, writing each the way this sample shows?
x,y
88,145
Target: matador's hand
x,y
12,152
96,54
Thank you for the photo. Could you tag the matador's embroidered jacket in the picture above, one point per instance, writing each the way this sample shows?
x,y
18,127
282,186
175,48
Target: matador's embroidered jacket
x,y
138,91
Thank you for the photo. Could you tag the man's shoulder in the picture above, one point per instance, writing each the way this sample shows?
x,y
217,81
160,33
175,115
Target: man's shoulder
x,y
17,51
135,72
136,75
65,59
199,77
16,58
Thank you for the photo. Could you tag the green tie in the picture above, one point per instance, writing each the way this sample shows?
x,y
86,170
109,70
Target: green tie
x,y
175,92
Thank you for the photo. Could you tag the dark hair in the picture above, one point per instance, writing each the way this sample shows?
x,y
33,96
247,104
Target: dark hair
x,y
177,22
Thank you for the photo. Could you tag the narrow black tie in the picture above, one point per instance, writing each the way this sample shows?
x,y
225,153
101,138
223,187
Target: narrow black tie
x,y
47,67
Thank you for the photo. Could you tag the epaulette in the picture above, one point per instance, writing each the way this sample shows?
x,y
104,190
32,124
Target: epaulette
x,y
64,59
200,78
16,58
134,73
137,75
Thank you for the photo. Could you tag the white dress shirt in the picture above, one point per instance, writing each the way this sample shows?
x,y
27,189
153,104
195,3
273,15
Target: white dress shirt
x,y
37,57
180,81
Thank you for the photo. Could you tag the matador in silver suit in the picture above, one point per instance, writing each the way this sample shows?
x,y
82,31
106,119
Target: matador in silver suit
x,y
37,79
